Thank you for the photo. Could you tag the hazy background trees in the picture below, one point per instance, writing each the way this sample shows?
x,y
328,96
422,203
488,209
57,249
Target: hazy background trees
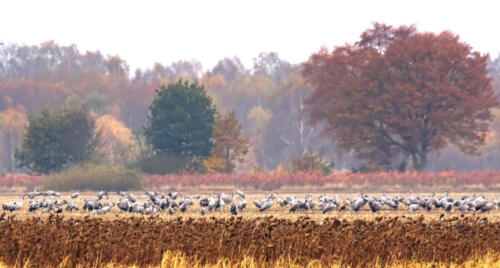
x,y
267,99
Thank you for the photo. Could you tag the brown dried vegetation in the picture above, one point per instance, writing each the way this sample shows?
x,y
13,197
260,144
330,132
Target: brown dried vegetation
x,y
143,241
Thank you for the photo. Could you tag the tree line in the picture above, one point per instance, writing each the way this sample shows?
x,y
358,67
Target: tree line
x,y
396,99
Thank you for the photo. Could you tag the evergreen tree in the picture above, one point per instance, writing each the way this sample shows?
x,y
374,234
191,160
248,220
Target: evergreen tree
x,y
180,120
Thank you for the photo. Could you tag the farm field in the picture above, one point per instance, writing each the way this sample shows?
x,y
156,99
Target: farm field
x,y
274,237
268,241
251,211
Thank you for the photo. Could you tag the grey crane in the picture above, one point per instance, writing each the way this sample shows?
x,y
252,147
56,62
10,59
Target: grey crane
x,y
413,207
71,206
233,208
34,194
329,207
75,195
101,194
173,195
487,207
374,205
171,211
294,205
123,204
359,203
266,205
131,197
12,206
242,205
240,193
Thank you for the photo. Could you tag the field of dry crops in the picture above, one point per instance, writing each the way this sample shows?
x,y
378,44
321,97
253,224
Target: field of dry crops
x,y
267,240
251,239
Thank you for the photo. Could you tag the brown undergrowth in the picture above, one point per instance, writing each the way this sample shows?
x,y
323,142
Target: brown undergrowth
x,y
268,241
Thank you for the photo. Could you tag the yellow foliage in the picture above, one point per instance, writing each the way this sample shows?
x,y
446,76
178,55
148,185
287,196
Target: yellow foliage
x,y
259,117
280,169
215,85
214,82
215,164
116,142
14,120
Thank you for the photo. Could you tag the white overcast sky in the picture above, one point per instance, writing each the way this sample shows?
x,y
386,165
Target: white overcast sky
x,y
145,32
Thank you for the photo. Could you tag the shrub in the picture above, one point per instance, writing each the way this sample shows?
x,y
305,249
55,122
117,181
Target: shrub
x,y
215,164
365,168
195,166
94,177
312,162
163,163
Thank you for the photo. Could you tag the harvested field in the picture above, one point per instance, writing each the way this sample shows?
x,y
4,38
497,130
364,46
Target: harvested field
x,y
143,241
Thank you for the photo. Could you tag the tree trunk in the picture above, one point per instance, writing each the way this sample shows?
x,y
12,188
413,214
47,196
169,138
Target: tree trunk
x,y
12,163
419,161
403,164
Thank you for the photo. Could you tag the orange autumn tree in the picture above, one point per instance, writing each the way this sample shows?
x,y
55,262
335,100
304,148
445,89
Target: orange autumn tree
x,y
229,146
397,94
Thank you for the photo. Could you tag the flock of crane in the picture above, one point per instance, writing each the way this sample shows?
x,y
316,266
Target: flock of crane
x,y
173,202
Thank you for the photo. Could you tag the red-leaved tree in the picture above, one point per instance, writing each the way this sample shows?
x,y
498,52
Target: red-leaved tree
x,y
398,94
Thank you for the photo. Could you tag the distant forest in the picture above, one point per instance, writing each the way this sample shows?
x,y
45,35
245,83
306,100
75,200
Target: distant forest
x,y
266,98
